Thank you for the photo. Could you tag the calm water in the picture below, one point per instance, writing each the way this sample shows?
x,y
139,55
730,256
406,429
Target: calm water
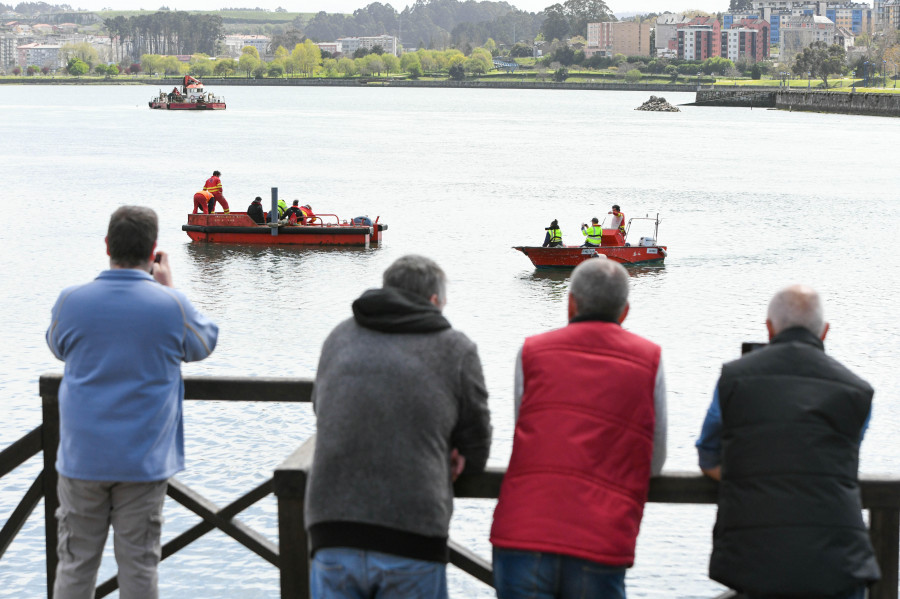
x,y
750,201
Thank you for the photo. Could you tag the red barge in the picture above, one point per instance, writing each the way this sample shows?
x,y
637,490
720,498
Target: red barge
x,y
613,247
237,227
191,96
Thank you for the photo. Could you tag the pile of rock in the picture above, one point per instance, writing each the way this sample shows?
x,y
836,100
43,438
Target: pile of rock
x,y
657,105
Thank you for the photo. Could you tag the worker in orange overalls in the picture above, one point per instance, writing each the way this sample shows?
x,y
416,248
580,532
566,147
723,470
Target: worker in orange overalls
x,y
201,201
214,186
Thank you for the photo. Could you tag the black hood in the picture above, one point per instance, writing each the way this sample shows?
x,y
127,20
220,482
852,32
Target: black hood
x,y
392,310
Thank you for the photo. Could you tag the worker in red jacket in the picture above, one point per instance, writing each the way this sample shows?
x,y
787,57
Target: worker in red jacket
x,y
214,186
202,200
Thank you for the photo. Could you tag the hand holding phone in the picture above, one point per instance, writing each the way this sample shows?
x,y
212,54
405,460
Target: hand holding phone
x,y
160,270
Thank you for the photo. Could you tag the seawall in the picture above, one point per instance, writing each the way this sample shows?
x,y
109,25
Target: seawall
x,y
869,104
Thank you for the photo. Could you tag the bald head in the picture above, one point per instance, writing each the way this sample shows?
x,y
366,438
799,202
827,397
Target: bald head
x,y
796,306
599,288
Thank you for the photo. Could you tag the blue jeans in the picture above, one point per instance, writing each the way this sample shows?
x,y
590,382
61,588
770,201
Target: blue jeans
x,y
533,575
339,572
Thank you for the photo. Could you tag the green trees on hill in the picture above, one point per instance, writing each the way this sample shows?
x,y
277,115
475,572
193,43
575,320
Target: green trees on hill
x,y
165,32
435,24
572,17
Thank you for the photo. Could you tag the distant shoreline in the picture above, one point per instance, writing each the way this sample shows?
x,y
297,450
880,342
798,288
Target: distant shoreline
x,y
215,82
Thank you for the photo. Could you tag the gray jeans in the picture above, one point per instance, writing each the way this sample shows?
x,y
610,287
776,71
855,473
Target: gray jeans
x,y
86,509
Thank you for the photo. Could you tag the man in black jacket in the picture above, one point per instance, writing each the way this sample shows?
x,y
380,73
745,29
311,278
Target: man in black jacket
x,y
255,211
783,435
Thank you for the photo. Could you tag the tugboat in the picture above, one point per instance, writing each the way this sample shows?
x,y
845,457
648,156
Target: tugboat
x,y
191,96
612,247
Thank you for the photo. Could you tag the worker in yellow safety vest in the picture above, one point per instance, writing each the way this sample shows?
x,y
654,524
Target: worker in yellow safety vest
x,y
553,237
593,235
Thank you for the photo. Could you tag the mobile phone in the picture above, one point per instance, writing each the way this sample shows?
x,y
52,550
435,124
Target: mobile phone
x,y
158,258
749,346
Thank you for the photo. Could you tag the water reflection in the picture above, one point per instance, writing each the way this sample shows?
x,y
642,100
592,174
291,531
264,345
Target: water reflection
x,y
638,271
206,255
552,284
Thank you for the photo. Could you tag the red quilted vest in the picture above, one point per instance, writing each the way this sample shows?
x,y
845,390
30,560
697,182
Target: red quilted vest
x,y
580,468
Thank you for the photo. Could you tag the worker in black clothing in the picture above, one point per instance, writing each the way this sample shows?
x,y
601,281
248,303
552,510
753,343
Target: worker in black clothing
x,y
294,211
255,211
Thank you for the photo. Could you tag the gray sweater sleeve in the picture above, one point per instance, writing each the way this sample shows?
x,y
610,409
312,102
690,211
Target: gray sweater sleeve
x,y
472,435
518,386
659,431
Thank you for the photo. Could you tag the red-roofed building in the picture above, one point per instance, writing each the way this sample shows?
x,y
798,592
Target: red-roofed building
x,y
699,39
747,38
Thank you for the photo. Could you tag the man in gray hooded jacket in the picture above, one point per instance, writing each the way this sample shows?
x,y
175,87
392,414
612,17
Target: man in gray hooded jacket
x,y
402,410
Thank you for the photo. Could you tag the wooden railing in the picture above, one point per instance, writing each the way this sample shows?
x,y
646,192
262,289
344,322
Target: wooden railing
x,y
46,438
881,495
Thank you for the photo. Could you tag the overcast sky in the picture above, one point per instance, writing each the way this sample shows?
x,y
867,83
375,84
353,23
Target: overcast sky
x,y
349,6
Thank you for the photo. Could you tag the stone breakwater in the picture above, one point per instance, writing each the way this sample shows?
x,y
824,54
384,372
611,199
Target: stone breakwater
x,y
655,104
870,104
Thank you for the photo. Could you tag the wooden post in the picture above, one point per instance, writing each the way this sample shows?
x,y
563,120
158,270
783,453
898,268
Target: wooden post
x,y
49,388
289,486
884,529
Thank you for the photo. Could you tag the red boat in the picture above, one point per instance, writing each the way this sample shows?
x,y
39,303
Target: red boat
x,y
191,96
613,247
237,227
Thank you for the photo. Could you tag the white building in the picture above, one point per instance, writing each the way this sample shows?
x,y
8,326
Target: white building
x,y
667,33
799,32
8,45
235,44
331,47
389,43
39,55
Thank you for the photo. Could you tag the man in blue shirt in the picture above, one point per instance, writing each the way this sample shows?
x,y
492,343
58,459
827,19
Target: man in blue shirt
x,y
123,338
782,435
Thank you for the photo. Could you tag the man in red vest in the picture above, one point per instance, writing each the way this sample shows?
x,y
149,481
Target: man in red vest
x,y
214,186
590,431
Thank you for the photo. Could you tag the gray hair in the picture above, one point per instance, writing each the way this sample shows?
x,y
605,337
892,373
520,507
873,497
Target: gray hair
x,y
131,234
797,306
418,275
600,288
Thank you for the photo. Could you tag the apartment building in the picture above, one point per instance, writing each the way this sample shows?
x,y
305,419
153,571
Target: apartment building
x,y
699,39
235,44
8,43
800,32
666,40
858,18
747,39
330,47
623,37
39,55
389,43
889,14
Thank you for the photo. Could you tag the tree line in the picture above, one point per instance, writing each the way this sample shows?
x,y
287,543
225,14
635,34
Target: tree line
x,y
306,60
164,32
